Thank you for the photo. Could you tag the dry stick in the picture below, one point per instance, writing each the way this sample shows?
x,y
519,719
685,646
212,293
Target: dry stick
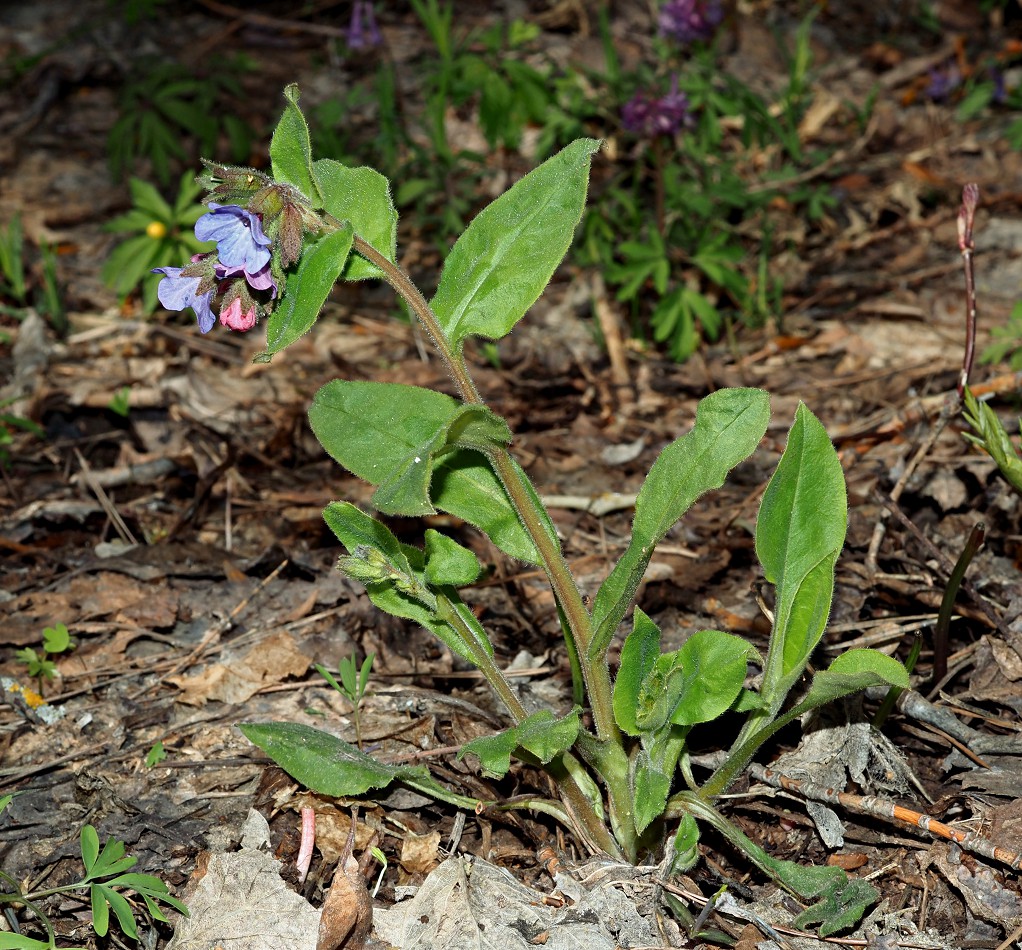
x,y
953,404
884,808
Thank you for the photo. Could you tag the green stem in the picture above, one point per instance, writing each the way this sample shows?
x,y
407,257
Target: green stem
x,y
597,675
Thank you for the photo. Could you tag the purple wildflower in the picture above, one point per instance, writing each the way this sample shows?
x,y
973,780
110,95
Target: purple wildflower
x,y
689,20
177,293
240,241
943,81
646,115
357,37
262,279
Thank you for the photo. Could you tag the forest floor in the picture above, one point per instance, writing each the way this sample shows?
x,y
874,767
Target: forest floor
x,y
182,544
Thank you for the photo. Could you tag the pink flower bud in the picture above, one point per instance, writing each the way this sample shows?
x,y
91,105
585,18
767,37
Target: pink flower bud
x,y
231,316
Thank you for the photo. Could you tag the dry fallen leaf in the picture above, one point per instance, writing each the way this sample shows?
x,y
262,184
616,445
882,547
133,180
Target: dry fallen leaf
x,y
347,915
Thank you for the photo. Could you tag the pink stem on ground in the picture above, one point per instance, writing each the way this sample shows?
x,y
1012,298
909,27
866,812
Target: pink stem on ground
x,y
308,840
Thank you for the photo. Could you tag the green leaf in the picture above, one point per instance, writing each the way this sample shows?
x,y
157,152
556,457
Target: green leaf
x,y
90,847
387,434
360,196
9,941
696,683
799,535
111,859
56,639
392,573
100,911
5,801
465,486
448,563
650,786
291,149
540,734
638,656
121,908
506,256
331,766
728,426
850,672
150,888
306,290
993,439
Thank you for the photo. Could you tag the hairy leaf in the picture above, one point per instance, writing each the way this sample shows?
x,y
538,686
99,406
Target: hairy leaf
x,y
729,424
506,256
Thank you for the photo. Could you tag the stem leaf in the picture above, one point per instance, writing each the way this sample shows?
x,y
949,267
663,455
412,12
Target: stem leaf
x,y
540,734
291,149
306,290
504,259
360,196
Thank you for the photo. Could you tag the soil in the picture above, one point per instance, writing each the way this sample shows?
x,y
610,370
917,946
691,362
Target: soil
x,y
182,544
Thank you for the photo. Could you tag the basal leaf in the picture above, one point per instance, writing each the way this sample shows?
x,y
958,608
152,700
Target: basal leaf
x,y
650,786
638,656
799,535
291,149
540,734
333,767
506,256
729,425
306,290
362,197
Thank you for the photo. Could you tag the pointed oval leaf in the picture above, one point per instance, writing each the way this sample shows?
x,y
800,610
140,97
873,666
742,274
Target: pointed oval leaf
x,y
291,149
385,432
465,486
696,683
799,535
651,786
306,290
540,734
729,425
333,767
362,197
506,256
449,563
638,656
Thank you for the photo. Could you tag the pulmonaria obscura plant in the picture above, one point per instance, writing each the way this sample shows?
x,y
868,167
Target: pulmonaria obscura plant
x,y
627,786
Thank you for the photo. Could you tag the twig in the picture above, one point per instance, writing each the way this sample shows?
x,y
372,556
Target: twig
x,y
884,808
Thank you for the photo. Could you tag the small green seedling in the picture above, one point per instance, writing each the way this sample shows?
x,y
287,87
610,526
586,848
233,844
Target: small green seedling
x,y
56,640
106,882
156,755
352,685
121,402
159,233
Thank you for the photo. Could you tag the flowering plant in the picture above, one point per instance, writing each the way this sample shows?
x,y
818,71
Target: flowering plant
x,y
627,786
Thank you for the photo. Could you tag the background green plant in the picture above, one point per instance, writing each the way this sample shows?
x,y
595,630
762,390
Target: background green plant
x,y
56,640
161,235
106,881
23,287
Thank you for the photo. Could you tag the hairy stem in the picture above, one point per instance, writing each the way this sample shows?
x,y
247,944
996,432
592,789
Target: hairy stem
x,y
597,676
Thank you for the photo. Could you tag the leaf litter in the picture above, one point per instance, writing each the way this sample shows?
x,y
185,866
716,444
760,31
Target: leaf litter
x,y
221,463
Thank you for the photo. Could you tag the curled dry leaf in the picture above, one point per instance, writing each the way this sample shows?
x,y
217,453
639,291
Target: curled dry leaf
x,y
347,916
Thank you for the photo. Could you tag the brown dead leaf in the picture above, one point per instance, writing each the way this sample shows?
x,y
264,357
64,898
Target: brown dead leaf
x,y
420,853
347,915
239,678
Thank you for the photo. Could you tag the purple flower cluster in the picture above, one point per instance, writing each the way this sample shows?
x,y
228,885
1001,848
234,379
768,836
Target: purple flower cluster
x,y
650,116
241,261
687,21
362,28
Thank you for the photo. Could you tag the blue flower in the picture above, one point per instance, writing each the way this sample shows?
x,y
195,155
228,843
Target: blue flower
x,y
689,20
240,241
177,293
